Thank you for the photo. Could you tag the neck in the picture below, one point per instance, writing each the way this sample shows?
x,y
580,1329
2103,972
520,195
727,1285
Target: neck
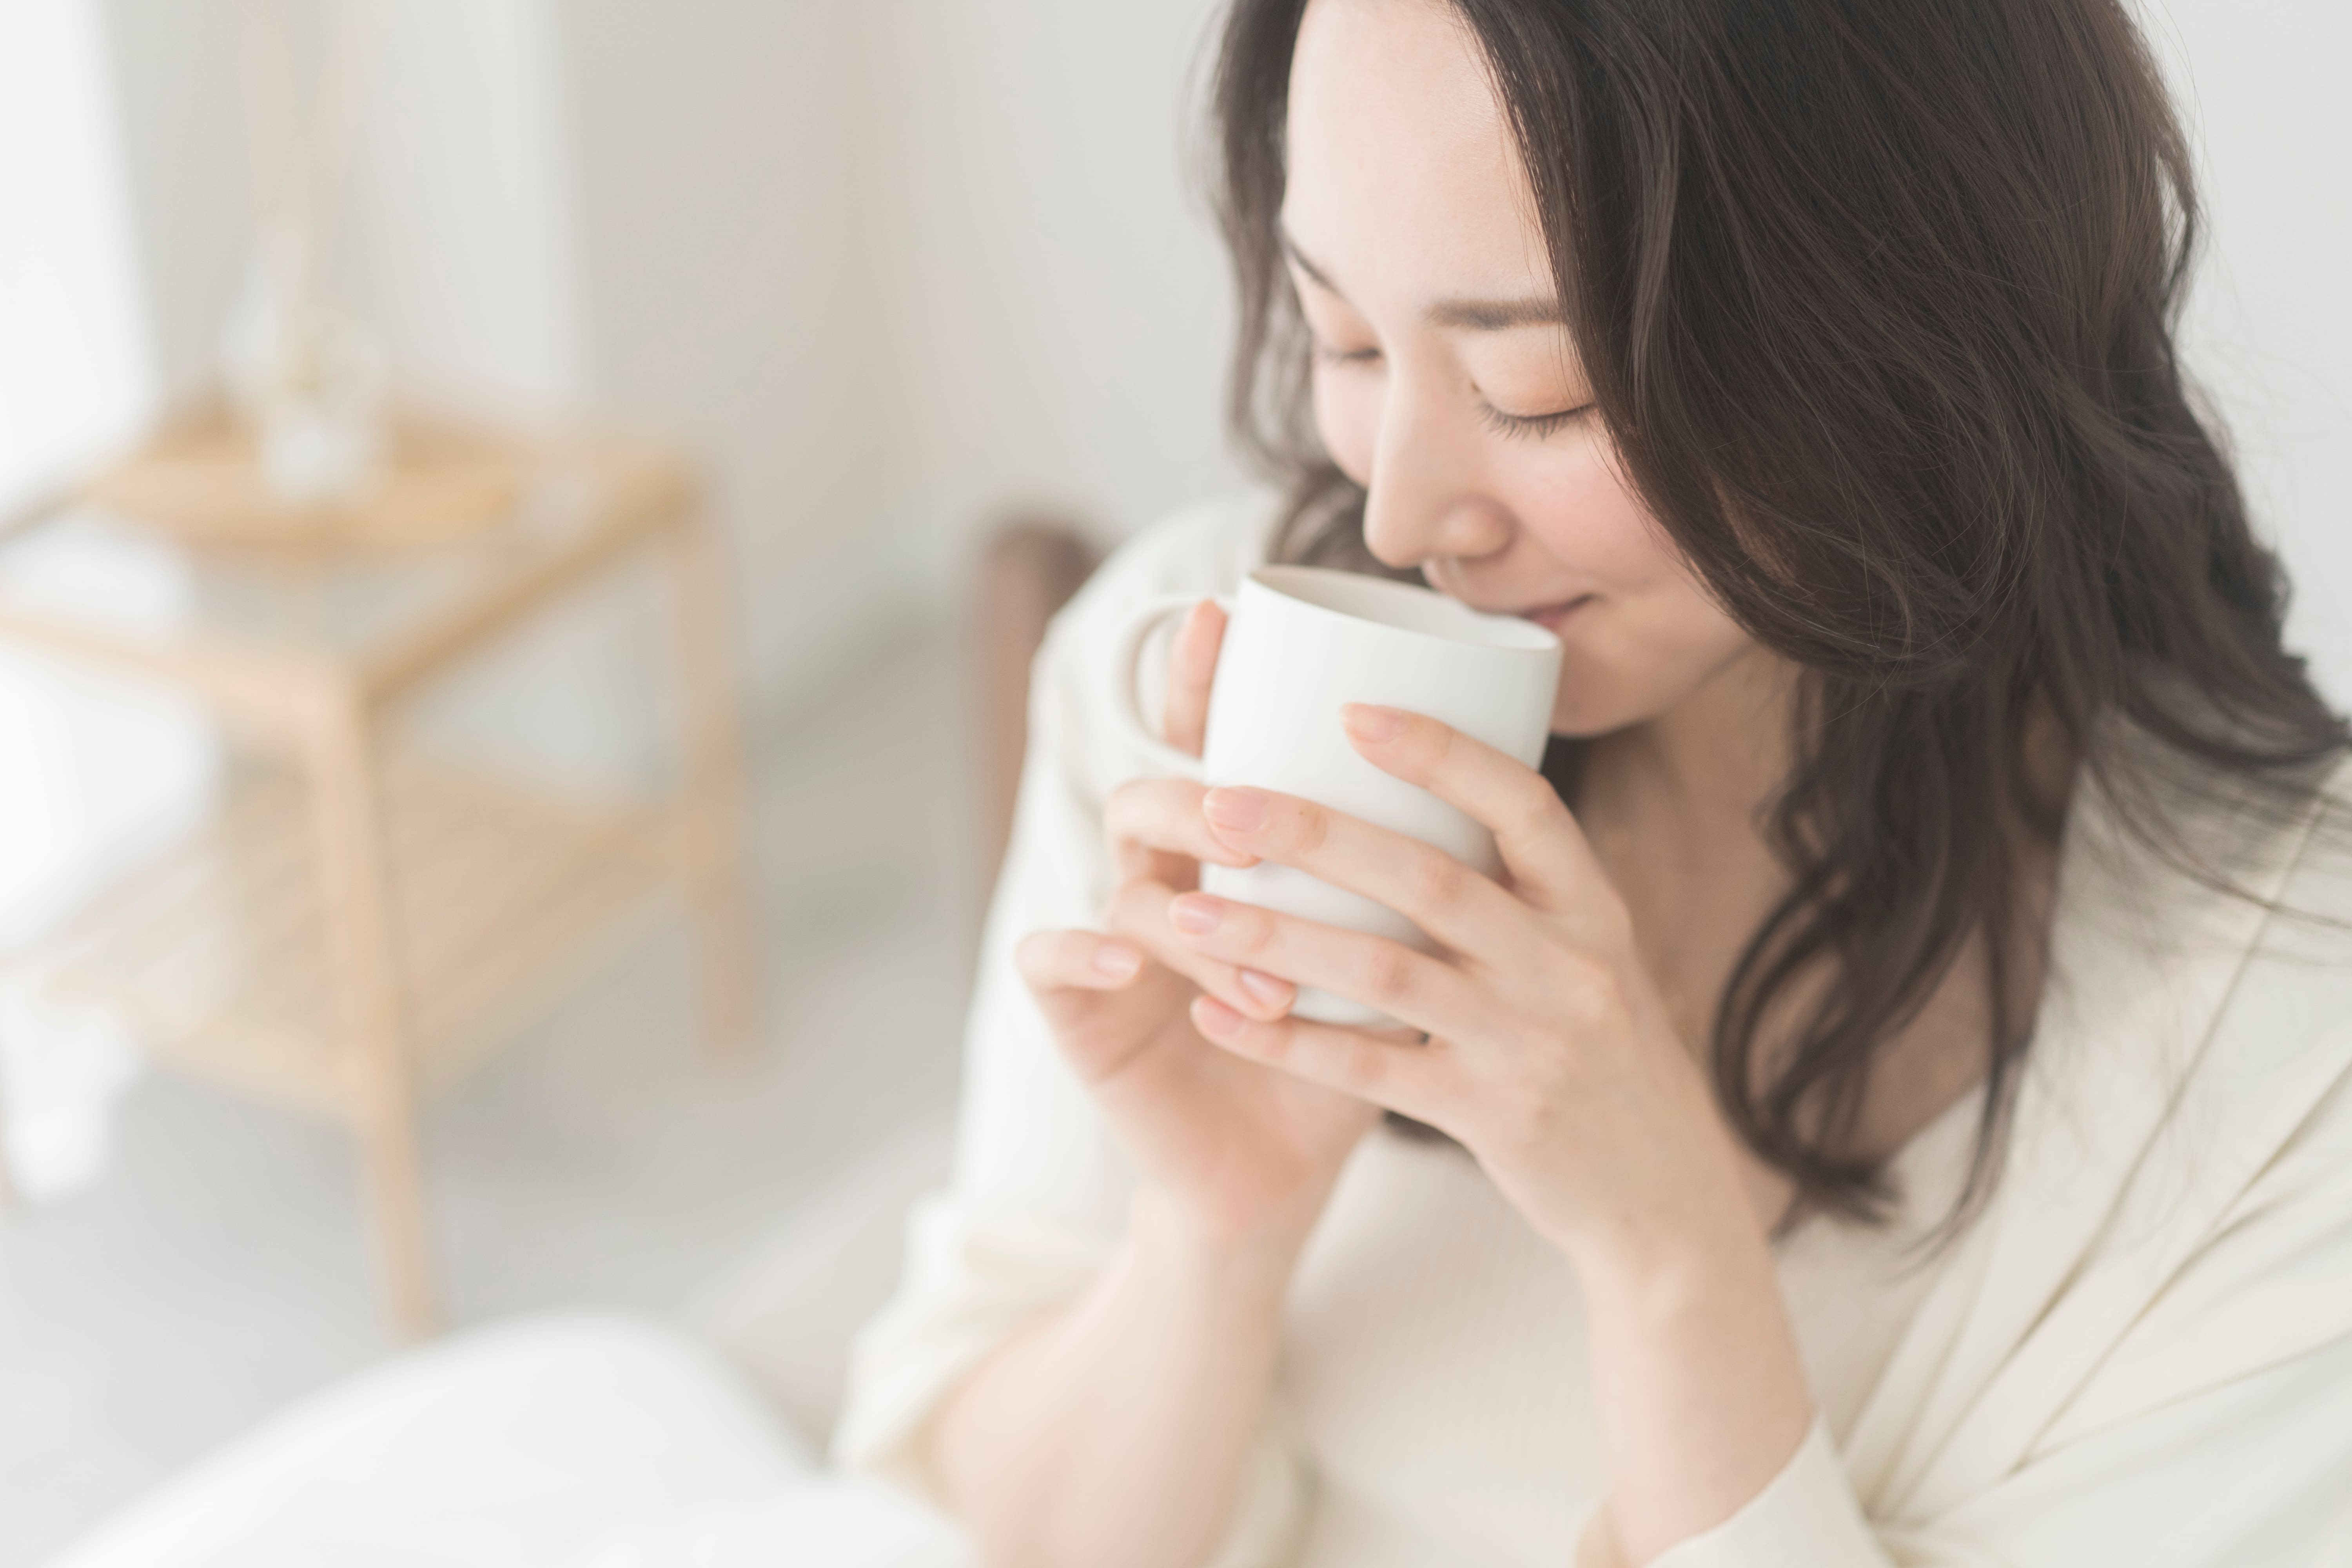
x,y
1719,754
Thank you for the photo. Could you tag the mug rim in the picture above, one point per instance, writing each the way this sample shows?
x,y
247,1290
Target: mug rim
x,y
1516,634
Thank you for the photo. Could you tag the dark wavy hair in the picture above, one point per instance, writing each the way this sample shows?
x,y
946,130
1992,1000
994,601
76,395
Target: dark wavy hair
x,y
1878,306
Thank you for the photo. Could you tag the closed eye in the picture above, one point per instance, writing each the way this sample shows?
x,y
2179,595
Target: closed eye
x,y
1329,355
1531,427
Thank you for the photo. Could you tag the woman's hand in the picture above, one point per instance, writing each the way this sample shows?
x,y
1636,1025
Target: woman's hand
x,y
1237,1150
1550,1056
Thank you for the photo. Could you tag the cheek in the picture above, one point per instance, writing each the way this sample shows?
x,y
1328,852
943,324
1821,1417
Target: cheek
x,y
1573,499
1656,635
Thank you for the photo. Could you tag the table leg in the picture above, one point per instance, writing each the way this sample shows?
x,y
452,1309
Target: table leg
x,y
362,937
711,806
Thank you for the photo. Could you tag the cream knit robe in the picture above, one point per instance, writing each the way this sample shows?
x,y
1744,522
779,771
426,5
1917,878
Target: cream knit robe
x,y
2140,1356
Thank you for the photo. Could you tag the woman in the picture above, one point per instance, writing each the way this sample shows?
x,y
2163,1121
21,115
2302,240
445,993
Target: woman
x,y
1895,1106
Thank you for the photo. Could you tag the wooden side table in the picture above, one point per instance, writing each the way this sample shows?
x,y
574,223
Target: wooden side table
x,y
358,921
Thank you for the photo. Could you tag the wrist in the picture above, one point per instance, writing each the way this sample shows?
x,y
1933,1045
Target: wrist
x,y
1657,1265
1699,1387
1249,1265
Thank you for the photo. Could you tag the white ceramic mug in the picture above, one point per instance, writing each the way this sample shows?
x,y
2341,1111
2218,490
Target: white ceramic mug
x,y
1302,640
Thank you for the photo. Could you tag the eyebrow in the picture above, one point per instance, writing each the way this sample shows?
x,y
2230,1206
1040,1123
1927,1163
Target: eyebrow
x,y
1470,315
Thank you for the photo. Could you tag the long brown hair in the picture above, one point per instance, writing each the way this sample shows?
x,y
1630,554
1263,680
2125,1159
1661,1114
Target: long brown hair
x,y
1878,306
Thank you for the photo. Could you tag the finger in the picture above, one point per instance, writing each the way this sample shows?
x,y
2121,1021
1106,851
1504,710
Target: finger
x,y
1464,911
1191,666
1084,959
1138,912
1147,820
1071,972
1411,987
1097,1030
1538,837
1388,1070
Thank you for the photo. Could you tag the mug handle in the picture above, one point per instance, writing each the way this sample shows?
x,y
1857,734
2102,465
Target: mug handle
x,y
1125,665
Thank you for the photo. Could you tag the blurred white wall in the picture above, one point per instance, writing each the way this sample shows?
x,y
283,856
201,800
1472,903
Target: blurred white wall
x,y
464,244
899,263
733,207
1059,299
2269,331
455,238
175,71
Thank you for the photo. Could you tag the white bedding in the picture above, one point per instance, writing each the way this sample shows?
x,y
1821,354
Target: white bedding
x,y
579,1440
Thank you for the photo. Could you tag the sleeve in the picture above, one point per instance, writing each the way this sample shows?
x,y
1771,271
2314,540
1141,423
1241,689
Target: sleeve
x,y
2153,1463
2258,1471
1806,1516
2185,1399
1040,1189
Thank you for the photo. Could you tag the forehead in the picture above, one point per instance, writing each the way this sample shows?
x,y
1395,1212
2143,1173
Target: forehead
x,y
1403,178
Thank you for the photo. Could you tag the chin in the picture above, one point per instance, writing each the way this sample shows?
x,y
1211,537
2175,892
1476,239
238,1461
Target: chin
x,y
1587,720
1630,685
1593,702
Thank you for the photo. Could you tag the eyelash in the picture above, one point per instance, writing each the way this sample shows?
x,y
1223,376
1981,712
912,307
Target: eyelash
x,y
1534,426
1531,427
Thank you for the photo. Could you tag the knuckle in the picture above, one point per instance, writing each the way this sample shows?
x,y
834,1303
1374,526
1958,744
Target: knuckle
x,y
1590,989
1133,904
1361,1072
1092,1035
1135,808
1535,809
1124,805
1389,973
1434,880
1548,1073
1614,924
1247,930
1520,1113
1031,956
1049,962
1521,1127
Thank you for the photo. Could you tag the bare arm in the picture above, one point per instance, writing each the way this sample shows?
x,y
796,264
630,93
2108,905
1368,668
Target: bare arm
x,y
1114,1428
1698,1390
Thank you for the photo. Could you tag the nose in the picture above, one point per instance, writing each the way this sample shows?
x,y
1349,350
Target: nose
x,y
1422,498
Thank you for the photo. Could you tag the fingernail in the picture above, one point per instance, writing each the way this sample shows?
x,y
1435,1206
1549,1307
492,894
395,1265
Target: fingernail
x,y
1265,987
1119,963
1196,914
1239,809
1367,721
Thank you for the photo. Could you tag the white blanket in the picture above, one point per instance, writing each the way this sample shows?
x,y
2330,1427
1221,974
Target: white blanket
x,y
574,1440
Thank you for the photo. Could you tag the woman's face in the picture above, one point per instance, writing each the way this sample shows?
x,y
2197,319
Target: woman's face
x,y
1444,383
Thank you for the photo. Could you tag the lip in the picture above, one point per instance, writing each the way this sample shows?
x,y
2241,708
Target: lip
x,y
1552,614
